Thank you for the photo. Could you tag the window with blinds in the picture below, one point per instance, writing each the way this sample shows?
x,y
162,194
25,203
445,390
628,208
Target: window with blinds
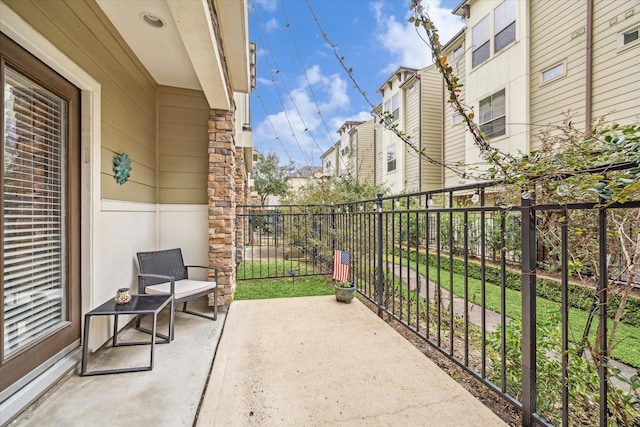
x,y
34,211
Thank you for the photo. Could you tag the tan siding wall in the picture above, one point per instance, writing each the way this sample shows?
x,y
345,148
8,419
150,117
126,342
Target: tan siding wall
x,y
85,35
183,136
366,152
454,134
412,129
378,160
431,127
557,36
616,80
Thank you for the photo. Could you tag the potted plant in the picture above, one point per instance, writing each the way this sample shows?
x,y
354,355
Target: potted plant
x,y
345,291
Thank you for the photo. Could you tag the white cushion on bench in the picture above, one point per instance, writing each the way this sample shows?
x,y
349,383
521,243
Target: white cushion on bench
x,y
183,288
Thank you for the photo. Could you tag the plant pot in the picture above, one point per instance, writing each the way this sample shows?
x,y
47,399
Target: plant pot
x,y
345,294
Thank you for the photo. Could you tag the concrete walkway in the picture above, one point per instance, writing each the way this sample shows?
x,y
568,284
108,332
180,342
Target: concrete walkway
x,y
408,276
313,361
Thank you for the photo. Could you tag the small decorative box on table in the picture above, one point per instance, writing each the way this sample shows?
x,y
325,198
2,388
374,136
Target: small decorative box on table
x,y
138,305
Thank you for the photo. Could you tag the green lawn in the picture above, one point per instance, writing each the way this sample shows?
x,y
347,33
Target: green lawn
x,y
282,287
627,337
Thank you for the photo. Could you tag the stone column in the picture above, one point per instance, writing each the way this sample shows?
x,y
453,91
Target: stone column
x,y
221,189
241,200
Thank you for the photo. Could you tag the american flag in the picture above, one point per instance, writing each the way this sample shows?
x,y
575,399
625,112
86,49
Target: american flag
x,y
341,261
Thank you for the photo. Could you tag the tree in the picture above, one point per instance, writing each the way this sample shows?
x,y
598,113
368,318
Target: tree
x,y
270,179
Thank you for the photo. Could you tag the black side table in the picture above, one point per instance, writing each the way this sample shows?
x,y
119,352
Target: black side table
x,y
139,304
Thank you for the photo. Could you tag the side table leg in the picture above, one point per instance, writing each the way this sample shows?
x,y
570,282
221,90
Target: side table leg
x,y
85,344
115,330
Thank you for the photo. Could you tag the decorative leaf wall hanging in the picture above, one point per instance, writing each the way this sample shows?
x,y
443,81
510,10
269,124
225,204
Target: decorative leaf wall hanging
x,y
122,168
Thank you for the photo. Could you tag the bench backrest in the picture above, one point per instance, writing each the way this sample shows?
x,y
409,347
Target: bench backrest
x,y
166,262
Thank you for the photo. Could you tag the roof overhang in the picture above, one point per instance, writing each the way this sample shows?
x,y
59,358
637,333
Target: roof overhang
x,y
186,51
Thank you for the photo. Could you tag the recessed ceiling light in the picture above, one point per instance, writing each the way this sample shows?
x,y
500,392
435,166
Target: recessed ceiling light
x,y
152,19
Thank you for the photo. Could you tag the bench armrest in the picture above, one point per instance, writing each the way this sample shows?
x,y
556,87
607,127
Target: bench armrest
x,y
157,276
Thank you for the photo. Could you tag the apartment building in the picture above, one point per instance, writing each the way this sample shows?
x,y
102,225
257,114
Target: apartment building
x,y
390,158
526,66
453,127
329,161
347,156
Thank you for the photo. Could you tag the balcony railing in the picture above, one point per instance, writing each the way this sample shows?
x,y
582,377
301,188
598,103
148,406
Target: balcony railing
x,y
523,296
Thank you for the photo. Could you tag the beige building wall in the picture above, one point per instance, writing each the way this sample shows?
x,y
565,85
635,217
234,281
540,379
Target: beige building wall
x,y
183,143
411,118
392,87
453,128
128,91
431,125
505,70
557,39
364,151
378,148
329,161
346,151
616,66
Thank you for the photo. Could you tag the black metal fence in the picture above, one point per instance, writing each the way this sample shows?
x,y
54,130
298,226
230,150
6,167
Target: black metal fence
x,y
523,296
281,241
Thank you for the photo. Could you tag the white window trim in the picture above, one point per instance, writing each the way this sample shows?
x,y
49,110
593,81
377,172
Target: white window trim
x,y
395,160
506,113
458,51
475,46
622,47
562,75
495,33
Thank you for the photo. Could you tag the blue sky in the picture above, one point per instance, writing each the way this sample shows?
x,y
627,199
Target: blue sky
x,y
303,95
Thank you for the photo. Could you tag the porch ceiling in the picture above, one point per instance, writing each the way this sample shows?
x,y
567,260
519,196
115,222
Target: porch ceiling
x,y
185,51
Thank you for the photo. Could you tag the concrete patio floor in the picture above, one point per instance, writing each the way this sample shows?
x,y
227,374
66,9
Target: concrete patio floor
x,y
315,361
169,395
281,362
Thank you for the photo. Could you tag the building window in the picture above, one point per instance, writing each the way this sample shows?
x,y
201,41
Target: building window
x,y
480,39
553,72
457,52
41,209
412,88
493,115
345,151
391,158
631,36
504,25
392,107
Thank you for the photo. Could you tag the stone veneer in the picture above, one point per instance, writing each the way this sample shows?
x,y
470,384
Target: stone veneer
x,y
222,190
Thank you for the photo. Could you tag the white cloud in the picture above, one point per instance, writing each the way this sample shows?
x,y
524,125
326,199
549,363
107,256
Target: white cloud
x,y
399,37
268,5
271,25
264,81
314,133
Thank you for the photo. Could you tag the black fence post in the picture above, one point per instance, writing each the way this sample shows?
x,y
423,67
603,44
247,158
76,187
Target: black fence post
x,y
333,228
379,254
603,295
529,261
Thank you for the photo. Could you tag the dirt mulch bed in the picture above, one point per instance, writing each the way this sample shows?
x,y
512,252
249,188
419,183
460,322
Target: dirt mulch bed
x,y
490,399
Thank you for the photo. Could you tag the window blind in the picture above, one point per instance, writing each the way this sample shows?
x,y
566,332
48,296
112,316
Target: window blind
x,y
34,211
